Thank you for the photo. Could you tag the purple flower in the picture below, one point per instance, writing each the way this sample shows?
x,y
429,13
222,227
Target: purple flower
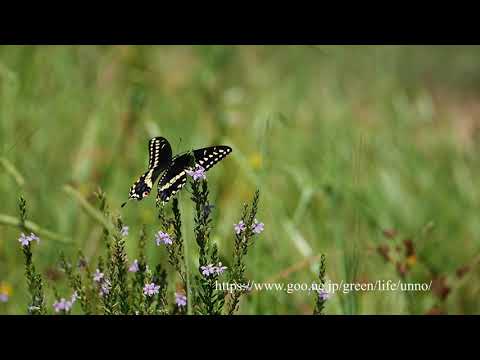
x,y
208,270
323,294
198,173
59,305
239,227
163,238
134,267
220,269
24,240
68,305
180,299
151,289
105,287
34,237
62,305
257,227
104,283
3,297
124,231
98,276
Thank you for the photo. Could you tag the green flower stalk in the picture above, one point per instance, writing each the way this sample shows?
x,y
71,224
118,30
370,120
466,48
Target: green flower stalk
x,y
76,283
244,231
119,273
321,295
209,300
174,246
138,268
34,279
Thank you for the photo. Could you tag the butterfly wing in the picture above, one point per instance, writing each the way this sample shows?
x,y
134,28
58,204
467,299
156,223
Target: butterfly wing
x,y
144,184
176,177
209,156
160,152
160,155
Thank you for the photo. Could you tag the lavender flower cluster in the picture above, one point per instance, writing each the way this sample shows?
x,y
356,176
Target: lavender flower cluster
x,y
134,267
198,173
124,231
180,299
163,238
25,240
65,305
151,289
103,282
257,227
210,269
323,294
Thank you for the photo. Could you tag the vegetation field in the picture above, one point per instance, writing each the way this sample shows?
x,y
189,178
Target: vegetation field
x,y
369,155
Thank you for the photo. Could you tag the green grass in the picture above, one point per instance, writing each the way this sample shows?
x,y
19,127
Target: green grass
x,y
343,142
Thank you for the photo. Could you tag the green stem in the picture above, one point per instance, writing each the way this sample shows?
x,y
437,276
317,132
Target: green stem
x,y
12,170
31,226
88,208
187,269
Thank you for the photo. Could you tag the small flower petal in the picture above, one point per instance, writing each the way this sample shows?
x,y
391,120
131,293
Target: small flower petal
x,y
105,287
24,240
180,299
219,269
151,289
207,270
240,227
163,238
198,173
34,237
257,227
124,231
62,305
323,294
134,267
98,276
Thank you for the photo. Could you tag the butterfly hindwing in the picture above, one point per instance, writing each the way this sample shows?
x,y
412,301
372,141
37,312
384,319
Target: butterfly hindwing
x,y
176,176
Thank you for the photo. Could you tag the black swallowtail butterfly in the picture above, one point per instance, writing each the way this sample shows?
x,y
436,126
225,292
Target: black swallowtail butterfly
x,y
174,169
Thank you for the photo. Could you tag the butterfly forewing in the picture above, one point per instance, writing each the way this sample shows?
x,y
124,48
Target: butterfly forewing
x,y
160,152
209,156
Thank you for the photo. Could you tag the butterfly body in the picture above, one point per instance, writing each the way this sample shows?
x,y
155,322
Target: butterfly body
x,y
175,170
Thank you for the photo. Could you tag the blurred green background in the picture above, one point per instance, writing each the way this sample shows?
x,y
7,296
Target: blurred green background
x,y
355,149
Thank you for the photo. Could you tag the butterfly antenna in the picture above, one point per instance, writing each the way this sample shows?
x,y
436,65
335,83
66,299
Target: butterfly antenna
x,y
125,203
